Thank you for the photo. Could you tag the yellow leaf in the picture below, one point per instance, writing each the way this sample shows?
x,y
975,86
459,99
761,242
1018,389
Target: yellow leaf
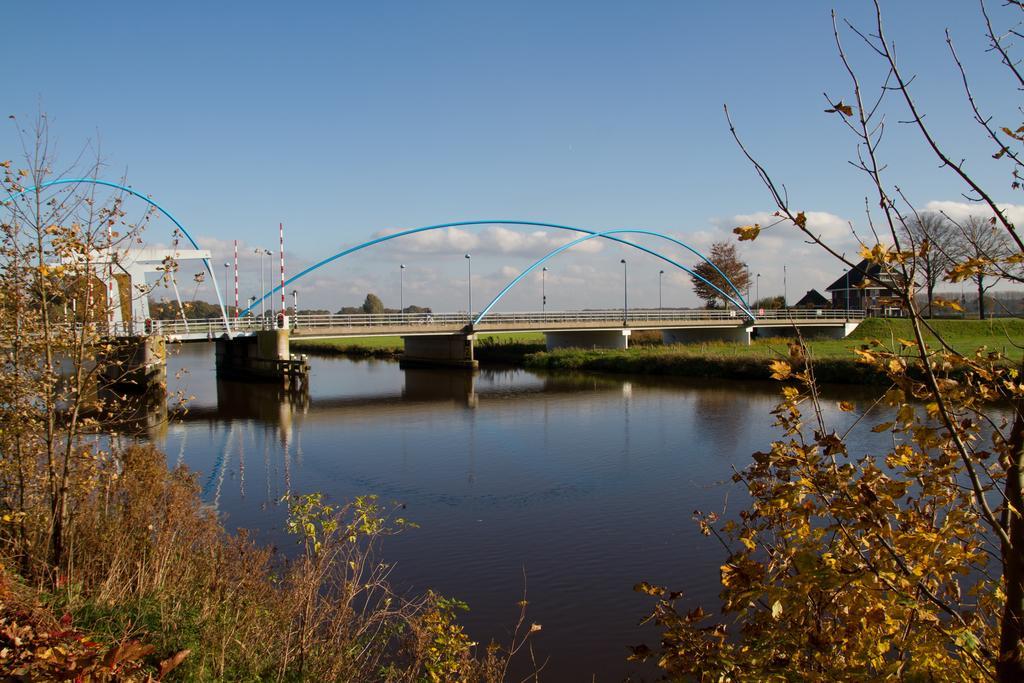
x,y
747,232
801,220
841,108
776,609
884,427
845,406
780,369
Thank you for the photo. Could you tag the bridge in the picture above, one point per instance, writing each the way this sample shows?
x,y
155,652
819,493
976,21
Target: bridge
x,y
447,338
258,347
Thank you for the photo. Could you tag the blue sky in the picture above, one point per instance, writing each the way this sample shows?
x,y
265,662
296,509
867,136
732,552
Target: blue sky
x,y
347,119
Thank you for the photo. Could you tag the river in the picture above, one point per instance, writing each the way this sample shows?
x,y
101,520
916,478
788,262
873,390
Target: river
x,y
574,488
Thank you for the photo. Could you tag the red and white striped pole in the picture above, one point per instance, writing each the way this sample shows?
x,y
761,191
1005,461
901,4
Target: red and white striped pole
x,y
280,230
236,279
110,279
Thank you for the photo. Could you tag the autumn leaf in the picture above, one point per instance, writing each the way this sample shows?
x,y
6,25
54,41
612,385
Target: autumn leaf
x,y
780,369
173,662
844,109
748,232
801,220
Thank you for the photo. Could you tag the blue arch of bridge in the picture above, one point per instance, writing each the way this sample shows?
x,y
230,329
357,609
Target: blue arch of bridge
x,y
403,233
555,252
741,302
151,202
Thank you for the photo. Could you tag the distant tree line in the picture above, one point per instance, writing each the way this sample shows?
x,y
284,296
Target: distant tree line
x,y
373,304
171,310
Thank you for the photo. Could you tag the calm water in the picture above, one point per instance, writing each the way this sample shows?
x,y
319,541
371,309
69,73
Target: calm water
x,y
585,485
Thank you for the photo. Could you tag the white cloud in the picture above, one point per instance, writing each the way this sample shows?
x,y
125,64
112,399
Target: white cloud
x,y
959,211
831,228
495,239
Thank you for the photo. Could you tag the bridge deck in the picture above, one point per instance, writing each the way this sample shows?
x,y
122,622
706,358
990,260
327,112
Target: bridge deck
x,y
423,324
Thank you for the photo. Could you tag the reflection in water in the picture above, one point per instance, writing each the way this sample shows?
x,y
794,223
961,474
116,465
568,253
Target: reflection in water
x,y
584,483
435,384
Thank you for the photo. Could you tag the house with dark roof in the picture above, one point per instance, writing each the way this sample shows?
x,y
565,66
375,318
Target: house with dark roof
x,y
813,299
867,287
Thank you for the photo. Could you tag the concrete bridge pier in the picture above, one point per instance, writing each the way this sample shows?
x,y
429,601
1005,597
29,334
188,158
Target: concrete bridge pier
x,y
689,335
588,339
135,366
264,357
439,350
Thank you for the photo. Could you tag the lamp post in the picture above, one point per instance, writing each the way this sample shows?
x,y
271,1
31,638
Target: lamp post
x,y
262,252
543,289
469,271
625,292
252,300
401,289
226,271
295,303
847,293
785,290
660,273
757,289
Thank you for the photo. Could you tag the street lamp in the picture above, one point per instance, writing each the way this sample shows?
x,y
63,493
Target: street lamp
x,y
757,290
252,300
226,267
785,290
469,270
401,289
543,290
262,252
847,293
625,292
295,303
660,273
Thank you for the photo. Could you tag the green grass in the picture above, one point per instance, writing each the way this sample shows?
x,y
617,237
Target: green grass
x,y
509,347
511,338
701,359
352,346
835,360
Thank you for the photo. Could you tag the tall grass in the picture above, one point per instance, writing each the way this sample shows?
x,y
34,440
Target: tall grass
x,y
148,562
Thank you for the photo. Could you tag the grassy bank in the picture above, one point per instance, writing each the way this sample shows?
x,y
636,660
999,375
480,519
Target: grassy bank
x,y
354,347
490,348
834,359
646,355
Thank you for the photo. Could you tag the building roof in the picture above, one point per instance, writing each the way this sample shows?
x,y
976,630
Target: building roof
x,y
865,275
813,299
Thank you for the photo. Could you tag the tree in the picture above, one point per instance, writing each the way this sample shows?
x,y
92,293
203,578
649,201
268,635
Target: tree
x,y
725,259
984,248
933,239
907,564
770,303
56,376
373,304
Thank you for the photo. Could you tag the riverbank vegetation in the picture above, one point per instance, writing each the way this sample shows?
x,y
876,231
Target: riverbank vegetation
x,y
836,360
492,348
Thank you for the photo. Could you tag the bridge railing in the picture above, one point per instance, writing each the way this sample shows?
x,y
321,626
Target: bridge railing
x,y
214,327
